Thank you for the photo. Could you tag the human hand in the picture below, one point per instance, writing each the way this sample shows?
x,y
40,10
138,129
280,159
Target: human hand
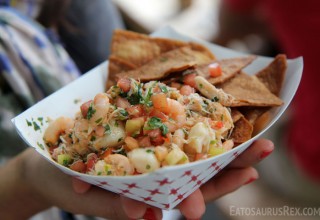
x,y
235,175
238,173
29,185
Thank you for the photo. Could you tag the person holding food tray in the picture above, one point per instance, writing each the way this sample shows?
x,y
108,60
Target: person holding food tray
x,y
29,184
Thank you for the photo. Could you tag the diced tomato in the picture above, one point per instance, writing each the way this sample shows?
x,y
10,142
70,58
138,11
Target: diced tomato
x,y
160,102
215,69
106,153
166,138
144,141
135,111
78,166
122,103
217,124
199,156
176,85
85,107
186,90
189,80
156,137
51,148
157,113
124,84
91,161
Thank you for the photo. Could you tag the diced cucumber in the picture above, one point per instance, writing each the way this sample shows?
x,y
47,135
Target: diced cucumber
x,y
134,125
214,151
64,159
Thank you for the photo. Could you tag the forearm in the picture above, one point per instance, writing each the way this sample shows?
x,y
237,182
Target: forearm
x,y
18,200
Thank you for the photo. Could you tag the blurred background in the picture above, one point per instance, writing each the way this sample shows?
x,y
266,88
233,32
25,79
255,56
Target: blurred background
x,y
291,175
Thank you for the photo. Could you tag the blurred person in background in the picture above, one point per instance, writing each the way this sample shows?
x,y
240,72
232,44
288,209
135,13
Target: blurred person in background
x,y
267,27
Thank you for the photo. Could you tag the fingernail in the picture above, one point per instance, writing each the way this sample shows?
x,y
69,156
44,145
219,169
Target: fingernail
x,y
250,180
149,215
265,154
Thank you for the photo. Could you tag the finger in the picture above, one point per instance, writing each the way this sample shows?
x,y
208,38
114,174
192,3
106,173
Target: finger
x,y
193,207
137,210
228,182
259,150
80,186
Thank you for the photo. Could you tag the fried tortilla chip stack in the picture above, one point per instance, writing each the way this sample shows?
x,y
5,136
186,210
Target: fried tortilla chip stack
x,y
250,97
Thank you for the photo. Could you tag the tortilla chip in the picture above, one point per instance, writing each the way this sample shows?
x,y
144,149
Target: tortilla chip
x,y
242,130
249,91
273,75
230,67
261,122
172,61
138,49
134,48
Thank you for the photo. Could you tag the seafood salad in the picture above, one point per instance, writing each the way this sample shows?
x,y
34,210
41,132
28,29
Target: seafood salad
x,y
136,128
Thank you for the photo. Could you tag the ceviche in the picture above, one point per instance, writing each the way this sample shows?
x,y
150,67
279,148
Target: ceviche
x,y
136,128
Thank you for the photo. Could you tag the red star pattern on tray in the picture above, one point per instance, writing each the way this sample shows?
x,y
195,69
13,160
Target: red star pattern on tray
x,y
174,191
103,183
154,192
164,182
187,173
132,185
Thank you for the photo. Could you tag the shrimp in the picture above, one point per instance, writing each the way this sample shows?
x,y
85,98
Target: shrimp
x,y
100,109
211,92
112,139
56,128
120,165
177,112
178,138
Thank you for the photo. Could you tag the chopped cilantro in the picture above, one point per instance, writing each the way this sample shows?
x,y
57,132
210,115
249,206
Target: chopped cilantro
x,y
40,119
76,101
98,120
91,111
93,138
147,99
123,114
155,123
215,99
135,97
163,88
40,145
149,151
36,127
28,123
107,129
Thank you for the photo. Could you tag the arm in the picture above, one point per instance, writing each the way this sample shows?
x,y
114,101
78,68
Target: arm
x,y
29,184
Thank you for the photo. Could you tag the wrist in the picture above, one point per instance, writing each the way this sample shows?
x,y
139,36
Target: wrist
x,y
21,199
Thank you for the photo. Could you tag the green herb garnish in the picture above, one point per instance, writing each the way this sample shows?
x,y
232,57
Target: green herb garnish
x,y
215,99
155,123
28,123
107,129
164,89
36,127
91,111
